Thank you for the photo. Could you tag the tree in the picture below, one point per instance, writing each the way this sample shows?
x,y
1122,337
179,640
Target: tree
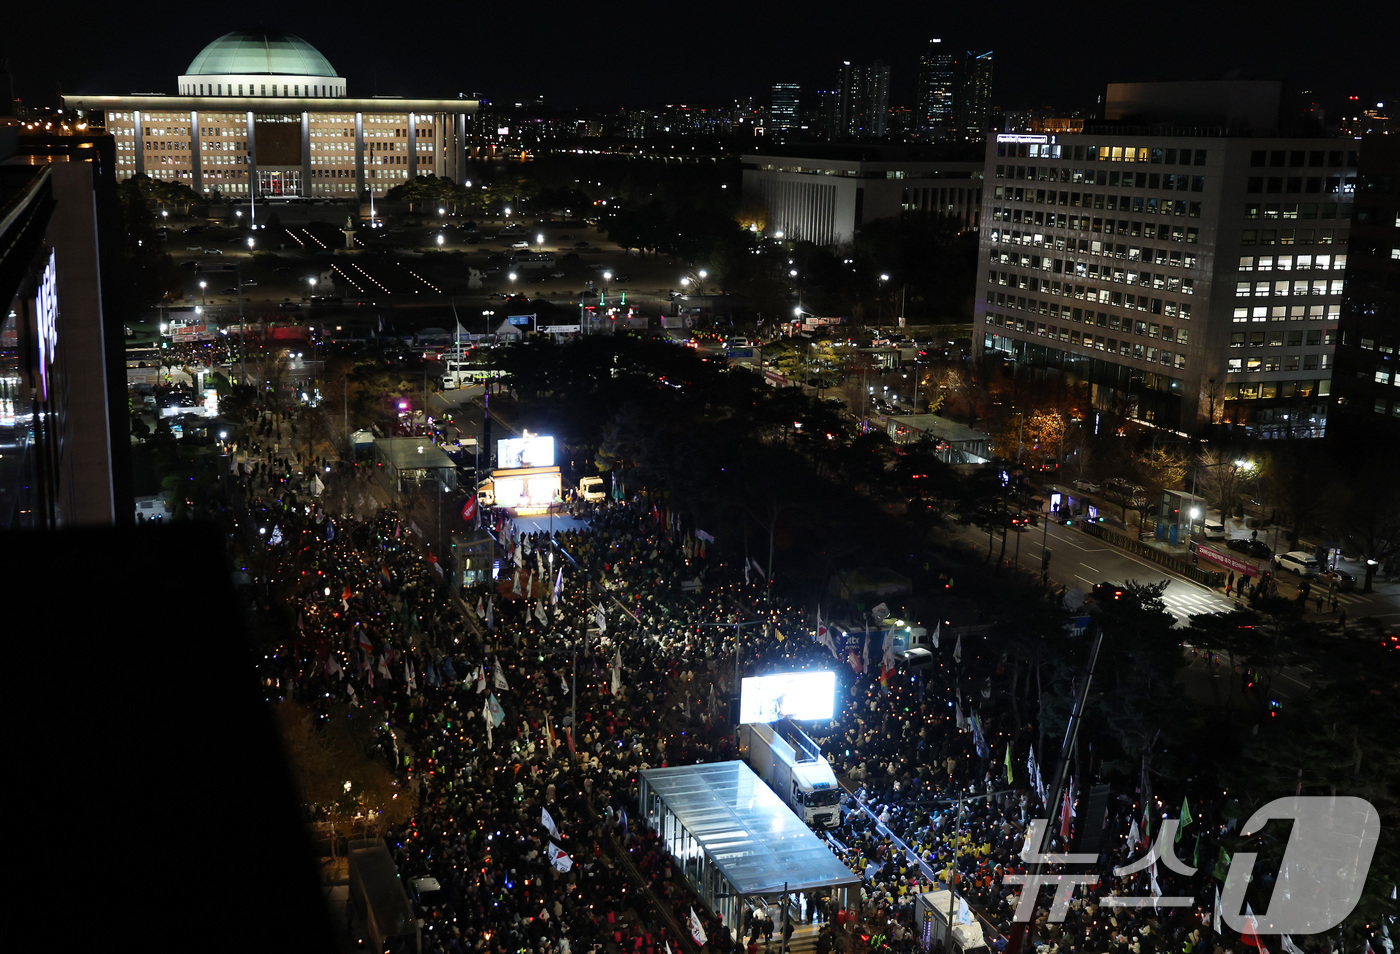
x,y
1370,516
339,782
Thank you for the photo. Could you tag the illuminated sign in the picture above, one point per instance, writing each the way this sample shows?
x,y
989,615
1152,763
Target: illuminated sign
x,y
792,695
513,453
1021,137
527,491
46,318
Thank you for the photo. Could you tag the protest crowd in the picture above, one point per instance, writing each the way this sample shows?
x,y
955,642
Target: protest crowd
x,y
521,714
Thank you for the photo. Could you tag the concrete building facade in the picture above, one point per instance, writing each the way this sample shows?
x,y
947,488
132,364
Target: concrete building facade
x,y
824,197
1186,272
266,112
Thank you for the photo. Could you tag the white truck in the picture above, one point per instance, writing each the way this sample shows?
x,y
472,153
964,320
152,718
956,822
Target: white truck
x,y
792,765
934,911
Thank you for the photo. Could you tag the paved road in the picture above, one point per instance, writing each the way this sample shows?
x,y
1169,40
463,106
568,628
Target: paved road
x,y
1078,559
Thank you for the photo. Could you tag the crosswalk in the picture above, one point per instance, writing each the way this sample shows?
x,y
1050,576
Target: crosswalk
x,y
1184,601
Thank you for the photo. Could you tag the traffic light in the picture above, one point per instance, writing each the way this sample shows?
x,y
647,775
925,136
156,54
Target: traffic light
x,y
1045,559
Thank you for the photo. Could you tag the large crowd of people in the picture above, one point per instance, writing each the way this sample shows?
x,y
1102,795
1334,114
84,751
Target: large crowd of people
x,y
520,712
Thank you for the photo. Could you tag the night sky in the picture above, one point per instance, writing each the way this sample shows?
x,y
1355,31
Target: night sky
x,y
609,54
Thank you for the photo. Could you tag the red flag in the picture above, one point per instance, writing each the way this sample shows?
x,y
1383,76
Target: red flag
x,y
1250,933
469,509
1065,810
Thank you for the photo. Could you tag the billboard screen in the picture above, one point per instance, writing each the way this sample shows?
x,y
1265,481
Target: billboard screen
x,y
794,695
514,453
527,493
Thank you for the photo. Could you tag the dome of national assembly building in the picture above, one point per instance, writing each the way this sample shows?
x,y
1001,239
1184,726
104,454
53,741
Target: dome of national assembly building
x,y
262,62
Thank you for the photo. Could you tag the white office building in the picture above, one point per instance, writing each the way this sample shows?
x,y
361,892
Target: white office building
x,y
825,195
1179,270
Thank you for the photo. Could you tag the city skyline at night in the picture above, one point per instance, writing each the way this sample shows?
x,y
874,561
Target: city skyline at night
x,y
626,56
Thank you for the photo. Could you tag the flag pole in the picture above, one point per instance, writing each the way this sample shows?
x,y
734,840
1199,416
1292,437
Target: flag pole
x,y
1018,934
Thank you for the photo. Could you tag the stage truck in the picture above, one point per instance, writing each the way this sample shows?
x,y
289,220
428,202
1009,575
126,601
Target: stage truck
x,y
792,765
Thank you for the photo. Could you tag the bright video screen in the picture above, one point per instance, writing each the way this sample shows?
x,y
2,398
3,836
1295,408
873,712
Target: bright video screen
x,y
808,696
514,453
532,492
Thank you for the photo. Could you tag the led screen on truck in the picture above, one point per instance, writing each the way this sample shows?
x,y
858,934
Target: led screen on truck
x,y
802,696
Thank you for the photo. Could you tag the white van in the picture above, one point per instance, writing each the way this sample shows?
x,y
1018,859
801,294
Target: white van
x,y
1300,562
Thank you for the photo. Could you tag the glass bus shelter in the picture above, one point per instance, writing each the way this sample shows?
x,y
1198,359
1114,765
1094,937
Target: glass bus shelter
x,y
735,839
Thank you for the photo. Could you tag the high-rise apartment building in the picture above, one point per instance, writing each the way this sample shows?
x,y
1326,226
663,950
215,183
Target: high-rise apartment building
x,y
1182,268
784,111
863,102
938,84
1366,380
973,114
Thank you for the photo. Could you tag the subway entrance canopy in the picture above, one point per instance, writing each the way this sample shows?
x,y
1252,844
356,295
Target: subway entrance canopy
x,y
735,838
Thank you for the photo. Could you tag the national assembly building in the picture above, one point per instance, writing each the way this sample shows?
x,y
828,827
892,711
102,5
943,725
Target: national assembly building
x,y
267,108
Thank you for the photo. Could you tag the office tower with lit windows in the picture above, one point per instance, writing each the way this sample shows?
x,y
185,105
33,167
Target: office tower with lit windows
x,y
1366,379
973,112
938,80
1184,258
785,109
266,111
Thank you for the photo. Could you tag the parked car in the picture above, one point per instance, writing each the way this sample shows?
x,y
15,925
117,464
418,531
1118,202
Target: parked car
x,y
1087,486
1299,561
1342,580
1213,529
1254,548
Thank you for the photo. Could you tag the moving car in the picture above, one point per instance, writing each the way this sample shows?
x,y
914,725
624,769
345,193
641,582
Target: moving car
x,y
1108,592
1087,486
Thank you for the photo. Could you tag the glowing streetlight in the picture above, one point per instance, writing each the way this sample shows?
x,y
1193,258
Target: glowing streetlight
x,y
439,240
539,238
202,286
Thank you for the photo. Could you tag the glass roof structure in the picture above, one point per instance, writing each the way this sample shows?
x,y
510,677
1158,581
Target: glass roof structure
x,y
744,828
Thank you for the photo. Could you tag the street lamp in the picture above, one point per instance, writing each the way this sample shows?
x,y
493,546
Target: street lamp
x,y
880,308
311,283
250,243
202,299
539,240
238,214
607,277
439,240
1240,464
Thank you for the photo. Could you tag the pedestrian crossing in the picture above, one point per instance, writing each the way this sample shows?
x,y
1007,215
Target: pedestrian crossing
x,y
1184,601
